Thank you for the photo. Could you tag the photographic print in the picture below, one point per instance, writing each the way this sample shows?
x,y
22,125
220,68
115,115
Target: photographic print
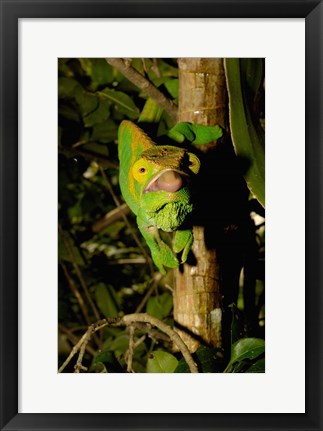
x,y
161,214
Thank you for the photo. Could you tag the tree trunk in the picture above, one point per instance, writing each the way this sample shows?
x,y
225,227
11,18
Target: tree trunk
x,y
197,292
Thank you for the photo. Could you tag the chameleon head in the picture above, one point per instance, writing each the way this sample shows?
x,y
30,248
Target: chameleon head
x,y
165,168
163,173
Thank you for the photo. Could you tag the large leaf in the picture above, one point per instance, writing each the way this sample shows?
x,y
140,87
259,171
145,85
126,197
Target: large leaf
x,y
242,77
122,101
104,132
160,306
106,300
98,115
161,362
151,112
245,349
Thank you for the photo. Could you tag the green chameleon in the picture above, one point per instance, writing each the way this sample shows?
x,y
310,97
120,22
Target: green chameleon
x,y
154,181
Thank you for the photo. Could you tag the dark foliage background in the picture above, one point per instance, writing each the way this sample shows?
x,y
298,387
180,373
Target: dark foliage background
x,y
104,265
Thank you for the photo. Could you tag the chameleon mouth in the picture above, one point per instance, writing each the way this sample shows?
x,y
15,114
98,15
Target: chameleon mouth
x,y
168,180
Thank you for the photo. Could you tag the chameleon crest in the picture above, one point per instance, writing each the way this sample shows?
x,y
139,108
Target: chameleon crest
x,y
154,181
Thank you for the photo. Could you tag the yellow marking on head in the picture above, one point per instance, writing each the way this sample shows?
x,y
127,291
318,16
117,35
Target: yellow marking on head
x,y
138,142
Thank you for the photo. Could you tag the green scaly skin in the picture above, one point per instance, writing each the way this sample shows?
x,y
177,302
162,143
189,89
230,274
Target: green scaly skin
x,y
154,183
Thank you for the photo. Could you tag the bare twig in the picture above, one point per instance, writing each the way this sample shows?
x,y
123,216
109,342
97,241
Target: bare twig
x,y
75,349
78,272
155,68
131,348
149,292
76,293
146,86
110,218
79,367
130,320
85,339
177,340
74,339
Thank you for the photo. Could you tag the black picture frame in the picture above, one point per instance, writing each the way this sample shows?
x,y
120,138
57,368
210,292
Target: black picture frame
x,y
11,11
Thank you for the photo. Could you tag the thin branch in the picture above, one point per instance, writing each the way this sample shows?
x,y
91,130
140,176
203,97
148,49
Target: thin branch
x,y
110,218
146,86
79,367
85,339
76,293
75,349
78,272
130,320
131,348
177,340
149,292
73,338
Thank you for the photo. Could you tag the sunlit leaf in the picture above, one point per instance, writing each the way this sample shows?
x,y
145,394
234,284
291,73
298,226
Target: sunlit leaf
x,y
172,87
161,362
151,112
247,134
247,348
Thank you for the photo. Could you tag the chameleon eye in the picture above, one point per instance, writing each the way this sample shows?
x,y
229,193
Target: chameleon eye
x,y
140,171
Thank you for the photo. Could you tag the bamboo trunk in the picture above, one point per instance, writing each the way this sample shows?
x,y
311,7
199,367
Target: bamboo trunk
x,y
197,293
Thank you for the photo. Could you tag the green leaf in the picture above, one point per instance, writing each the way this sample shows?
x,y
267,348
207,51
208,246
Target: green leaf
x,y
161,362
252,70
99,115
247,134
67,87
160,306
151,112
194,133
122,101
109,360
246,348
106,300
172,87
87,102
63,254
257,367
209,359
100,72
105,132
